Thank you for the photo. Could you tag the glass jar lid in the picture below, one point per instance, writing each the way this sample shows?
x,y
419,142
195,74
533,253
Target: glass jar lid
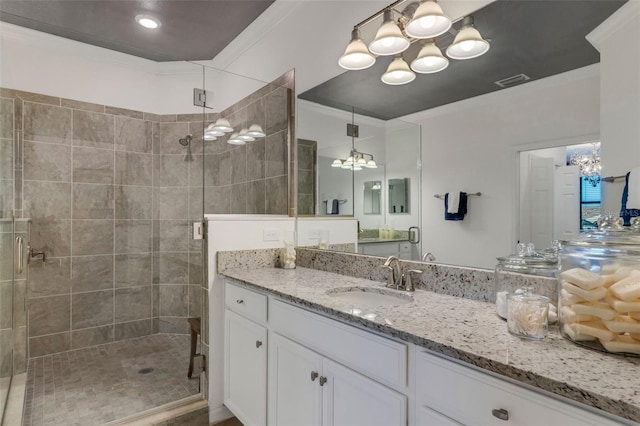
x,y
526,257
610,235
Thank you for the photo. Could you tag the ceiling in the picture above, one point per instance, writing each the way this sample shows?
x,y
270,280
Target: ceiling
x,y
538,38
190,30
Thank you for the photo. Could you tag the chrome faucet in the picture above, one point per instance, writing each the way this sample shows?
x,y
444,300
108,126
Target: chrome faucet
x,y
428,257
394,279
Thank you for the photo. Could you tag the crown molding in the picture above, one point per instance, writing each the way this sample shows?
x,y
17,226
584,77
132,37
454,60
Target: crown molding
x,y
621,17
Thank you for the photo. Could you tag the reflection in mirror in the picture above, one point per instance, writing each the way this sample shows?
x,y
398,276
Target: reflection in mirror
x,y
399,195
372,191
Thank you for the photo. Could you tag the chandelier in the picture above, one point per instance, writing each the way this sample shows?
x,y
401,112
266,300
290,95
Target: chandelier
x,y
356,161
417,21
588,165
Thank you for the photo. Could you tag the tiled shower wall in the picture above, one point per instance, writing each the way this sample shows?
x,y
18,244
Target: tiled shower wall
x,y
111,194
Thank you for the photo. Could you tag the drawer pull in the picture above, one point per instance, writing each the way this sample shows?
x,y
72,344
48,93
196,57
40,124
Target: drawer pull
x,y
501,414
323,380
258,343
314,375
239,301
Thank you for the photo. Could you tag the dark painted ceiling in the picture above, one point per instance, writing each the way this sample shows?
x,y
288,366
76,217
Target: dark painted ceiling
x,y
190,30
539,38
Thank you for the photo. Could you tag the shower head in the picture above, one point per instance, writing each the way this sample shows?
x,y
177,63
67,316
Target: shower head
x,y
186,140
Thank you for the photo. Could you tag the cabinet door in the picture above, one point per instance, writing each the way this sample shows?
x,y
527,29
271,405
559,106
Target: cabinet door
x,y
351,399
294,391
245,366
425,416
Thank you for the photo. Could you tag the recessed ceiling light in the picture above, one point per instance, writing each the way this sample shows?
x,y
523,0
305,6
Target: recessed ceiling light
x,y
148,21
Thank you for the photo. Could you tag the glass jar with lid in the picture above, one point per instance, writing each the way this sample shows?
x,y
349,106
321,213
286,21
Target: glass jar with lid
x,y
526,271
599,287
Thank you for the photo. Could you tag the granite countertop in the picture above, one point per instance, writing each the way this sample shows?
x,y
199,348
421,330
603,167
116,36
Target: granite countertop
x,y
469,331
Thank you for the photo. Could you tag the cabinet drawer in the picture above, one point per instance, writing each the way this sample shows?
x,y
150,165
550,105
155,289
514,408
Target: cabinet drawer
x,y
246,302
471,397
381,359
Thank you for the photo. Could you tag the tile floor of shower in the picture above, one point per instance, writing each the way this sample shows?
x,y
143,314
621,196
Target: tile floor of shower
x,y
99,384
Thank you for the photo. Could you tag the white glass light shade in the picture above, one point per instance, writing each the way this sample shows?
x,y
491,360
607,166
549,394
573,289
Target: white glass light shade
x,y
361,162
209,137
255,131
223,125
356,55
243,136
148,21
371,164
429,60
468,43
398,73
213,131
389,39
356,167
336,163
428,21
234,140
348,161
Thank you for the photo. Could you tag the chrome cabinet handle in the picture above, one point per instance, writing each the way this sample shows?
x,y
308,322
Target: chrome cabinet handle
x,y
323,380
258,343
314,375
239,301
18,255
501,414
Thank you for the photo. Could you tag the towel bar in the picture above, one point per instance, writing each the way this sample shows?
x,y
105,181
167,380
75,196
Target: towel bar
x,y
612,178
477,194
339,201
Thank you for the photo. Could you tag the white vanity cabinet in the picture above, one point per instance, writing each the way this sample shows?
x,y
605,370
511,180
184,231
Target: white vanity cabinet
x,y
306,388
245,355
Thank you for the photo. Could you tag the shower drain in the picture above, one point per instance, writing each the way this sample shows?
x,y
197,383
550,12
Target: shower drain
x,y
145,370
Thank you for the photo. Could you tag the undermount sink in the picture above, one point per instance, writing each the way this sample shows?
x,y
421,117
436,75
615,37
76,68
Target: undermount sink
x,y
370,296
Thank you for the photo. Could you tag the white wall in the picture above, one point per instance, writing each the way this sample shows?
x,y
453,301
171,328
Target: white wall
x,y
312,230
472,146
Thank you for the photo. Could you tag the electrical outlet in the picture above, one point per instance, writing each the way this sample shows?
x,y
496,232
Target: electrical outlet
x,y
315,234
271,234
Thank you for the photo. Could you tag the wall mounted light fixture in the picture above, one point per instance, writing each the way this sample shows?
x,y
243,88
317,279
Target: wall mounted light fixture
x,y
222,126
356,161
417,21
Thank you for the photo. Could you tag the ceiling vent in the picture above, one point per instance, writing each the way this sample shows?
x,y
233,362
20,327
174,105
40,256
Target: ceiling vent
x,y
512,81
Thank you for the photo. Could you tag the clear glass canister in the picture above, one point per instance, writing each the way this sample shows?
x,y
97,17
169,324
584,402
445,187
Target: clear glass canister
x,y
526,271
599,288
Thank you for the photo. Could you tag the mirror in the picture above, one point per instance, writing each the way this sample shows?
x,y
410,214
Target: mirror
x,y
371,195
399,196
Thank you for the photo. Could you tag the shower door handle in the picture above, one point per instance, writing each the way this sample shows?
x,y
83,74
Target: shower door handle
x,y
414,235
18,255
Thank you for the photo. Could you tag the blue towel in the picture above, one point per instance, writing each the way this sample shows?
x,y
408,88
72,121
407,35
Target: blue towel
x,y
627,214
335,206
462,207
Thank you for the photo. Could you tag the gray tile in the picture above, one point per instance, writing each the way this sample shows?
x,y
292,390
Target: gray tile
x,y
170,170
6,118
255,160
306,154
195,301
174,235
92,309
93,201
6,304
52,236
19,305
48,315
131,329
50,344
306,204
133,236
6,197
155,301
306,182
47,200
90,273
196,171
276,155
6,344
47,123
256,198
217,200
238,200
133,303
91,336
205,316
6,260
90,237
155,137
256,113
133,270
239,164
170,134
224,168
133,202
171,203
173,325
6,158
93,129
196,207
134,168
123,112
20,354
277,195
174,268
87,106
54,278
276,110
93,165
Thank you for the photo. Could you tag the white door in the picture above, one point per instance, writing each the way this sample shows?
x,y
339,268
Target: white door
x,y
295,395
245,366
350,399
542,172
567,203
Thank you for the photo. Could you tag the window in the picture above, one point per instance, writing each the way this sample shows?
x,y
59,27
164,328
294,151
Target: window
x,y
590,204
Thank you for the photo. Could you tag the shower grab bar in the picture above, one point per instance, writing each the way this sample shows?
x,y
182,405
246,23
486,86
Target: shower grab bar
x,y
19,255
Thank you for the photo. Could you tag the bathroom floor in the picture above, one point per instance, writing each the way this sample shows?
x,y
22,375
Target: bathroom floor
x,y
103,383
